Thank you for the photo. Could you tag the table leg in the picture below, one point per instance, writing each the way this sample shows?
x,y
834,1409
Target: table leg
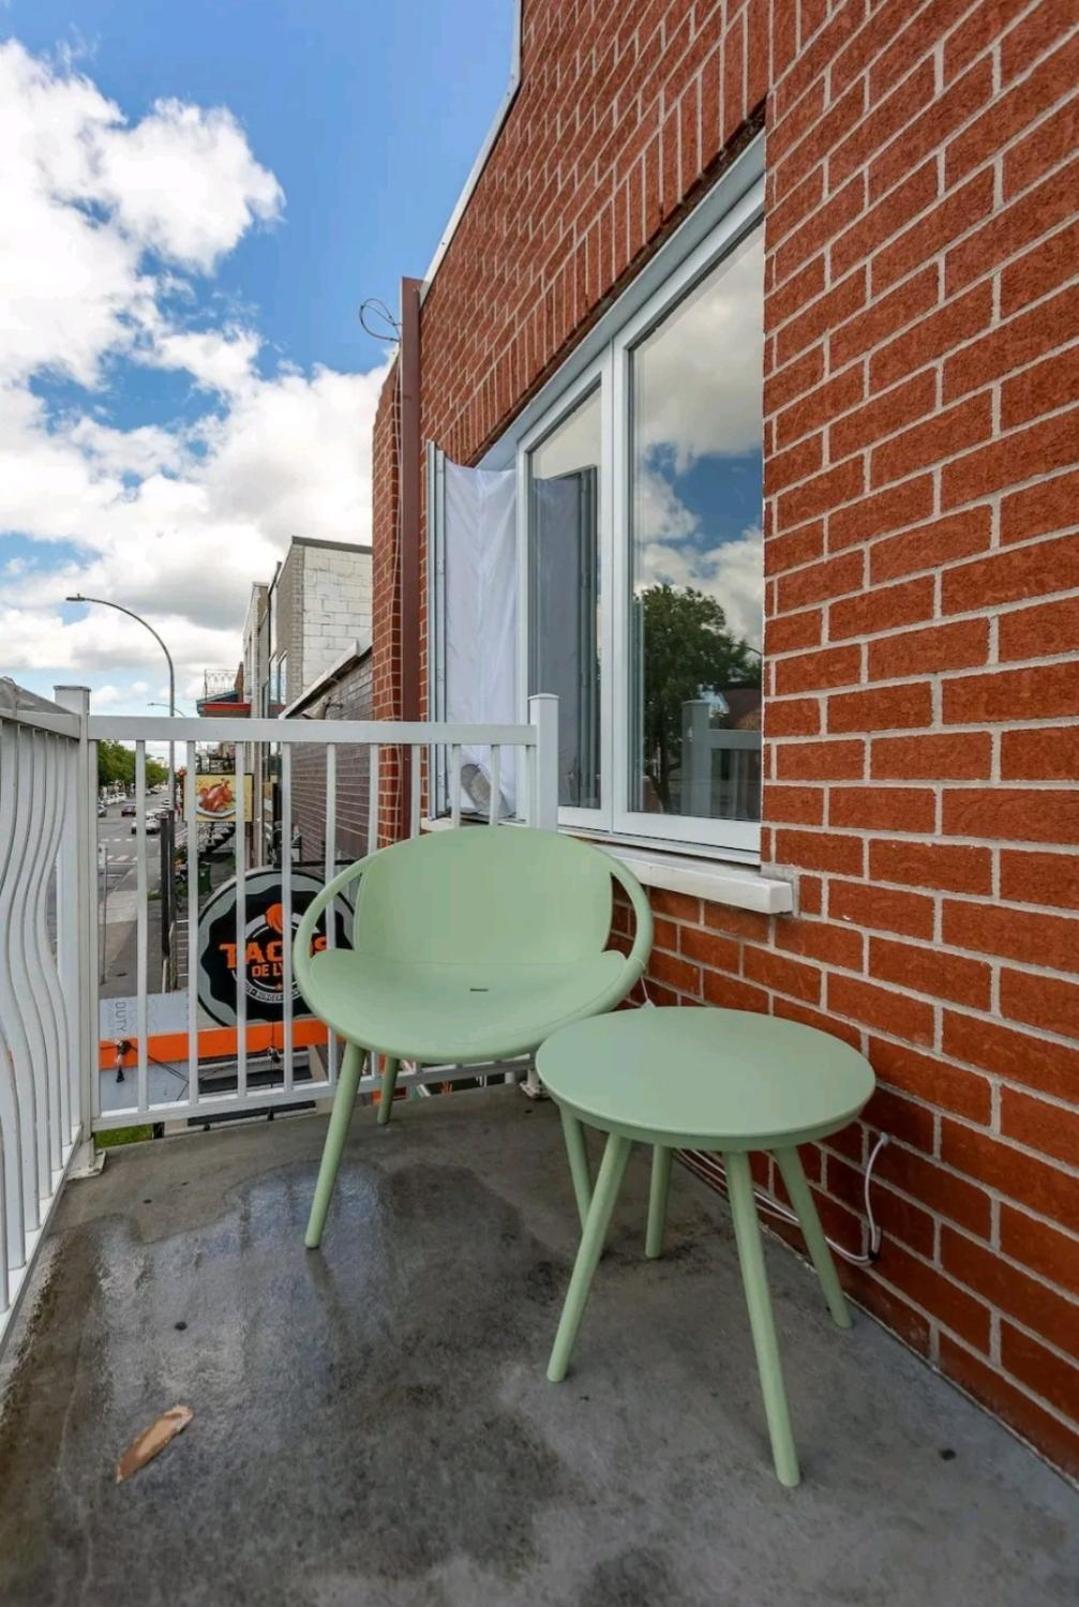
x,y
573,1133
747,1232
657,1200
612,1169
790,1166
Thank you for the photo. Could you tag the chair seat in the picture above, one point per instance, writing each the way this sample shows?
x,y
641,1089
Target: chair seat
x,y
454,1013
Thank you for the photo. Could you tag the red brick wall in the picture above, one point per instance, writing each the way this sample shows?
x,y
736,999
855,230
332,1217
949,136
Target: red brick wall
x,y
386,595
922,564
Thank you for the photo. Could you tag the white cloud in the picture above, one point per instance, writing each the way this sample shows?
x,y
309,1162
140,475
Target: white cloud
x,y
39,640
142,451
71,287
697,384
697,377
109,696
733,573
87,196
198,526
217,359
184,182
104,224
659,514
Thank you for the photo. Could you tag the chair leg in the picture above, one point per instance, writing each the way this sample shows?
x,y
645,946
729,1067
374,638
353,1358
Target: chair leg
x,y
573,1133
340,1117
657,1200
389,1083
747,1232
790,1166
612,1169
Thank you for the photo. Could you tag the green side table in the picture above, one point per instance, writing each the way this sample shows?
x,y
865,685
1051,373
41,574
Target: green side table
x,y
721,1080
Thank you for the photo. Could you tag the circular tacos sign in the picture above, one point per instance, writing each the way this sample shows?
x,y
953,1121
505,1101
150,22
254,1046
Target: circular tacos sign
x,y
264,938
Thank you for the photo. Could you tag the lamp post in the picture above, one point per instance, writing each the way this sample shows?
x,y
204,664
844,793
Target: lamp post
x,y
104,602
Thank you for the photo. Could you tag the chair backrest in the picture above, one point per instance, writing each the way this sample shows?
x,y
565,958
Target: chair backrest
x,y
485,893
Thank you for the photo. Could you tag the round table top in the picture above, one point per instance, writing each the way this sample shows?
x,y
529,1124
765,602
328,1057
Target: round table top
x,y
708,1078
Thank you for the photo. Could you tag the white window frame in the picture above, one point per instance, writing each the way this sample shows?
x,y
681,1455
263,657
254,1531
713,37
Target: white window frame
x,y
740,835
593,377
730,839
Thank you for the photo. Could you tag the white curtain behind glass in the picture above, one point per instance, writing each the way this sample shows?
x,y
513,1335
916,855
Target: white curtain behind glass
x,y
479,616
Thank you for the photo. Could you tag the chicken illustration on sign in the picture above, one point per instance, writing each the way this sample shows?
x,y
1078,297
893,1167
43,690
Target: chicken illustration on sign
x,y
216,796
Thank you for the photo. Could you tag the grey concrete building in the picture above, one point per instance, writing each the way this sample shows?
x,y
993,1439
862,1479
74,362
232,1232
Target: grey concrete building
x,y
319,605
302,626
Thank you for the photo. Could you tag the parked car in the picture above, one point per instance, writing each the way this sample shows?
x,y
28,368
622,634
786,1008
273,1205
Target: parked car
x,y
128,809
102,809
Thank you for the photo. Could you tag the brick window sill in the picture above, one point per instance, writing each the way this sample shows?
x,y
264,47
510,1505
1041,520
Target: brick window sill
x,y
743,887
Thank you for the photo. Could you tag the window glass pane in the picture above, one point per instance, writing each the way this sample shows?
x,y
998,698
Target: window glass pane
x,y
696,554
563,592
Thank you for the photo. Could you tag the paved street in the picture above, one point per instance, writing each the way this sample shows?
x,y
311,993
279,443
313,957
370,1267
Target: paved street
x,y
117,904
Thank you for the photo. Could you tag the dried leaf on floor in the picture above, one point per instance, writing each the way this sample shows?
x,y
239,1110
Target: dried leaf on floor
x,y
152,1440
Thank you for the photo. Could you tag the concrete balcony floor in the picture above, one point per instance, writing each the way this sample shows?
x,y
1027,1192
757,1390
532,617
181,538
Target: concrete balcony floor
x,y
373,1425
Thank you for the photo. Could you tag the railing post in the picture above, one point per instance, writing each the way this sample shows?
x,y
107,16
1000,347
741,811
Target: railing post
x,y
77,927
543,715
696,758
543,805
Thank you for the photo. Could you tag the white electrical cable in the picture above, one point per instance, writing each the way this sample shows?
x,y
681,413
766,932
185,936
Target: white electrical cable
x,y
767,1203
774,1208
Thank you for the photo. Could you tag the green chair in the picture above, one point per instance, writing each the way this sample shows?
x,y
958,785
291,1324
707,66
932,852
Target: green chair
x,y
469,945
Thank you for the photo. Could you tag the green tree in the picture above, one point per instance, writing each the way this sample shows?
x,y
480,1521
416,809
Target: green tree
x,y
687,650
116,763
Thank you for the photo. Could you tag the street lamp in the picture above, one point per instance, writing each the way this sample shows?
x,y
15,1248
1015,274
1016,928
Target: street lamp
x,y
104,602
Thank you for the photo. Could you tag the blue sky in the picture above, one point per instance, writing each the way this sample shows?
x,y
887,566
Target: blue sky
x,y
369,115
351,129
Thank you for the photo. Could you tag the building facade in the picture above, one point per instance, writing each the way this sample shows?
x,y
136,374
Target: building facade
x,y
256,650
766,306
301,626
319,603
343,693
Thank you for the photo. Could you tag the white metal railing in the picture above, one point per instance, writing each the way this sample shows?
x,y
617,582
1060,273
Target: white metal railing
x,y
65,1073
42,775
410,740
735,792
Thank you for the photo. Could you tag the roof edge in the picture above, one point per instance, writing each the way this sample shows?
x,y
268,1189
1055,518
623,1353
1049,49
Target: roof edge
x,y
351,655
481,160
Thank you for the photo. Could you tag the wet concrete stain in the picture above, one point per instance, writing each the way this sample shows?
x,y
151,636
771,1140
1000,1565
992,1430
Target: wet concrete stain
x,y
373,1427
343,1399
